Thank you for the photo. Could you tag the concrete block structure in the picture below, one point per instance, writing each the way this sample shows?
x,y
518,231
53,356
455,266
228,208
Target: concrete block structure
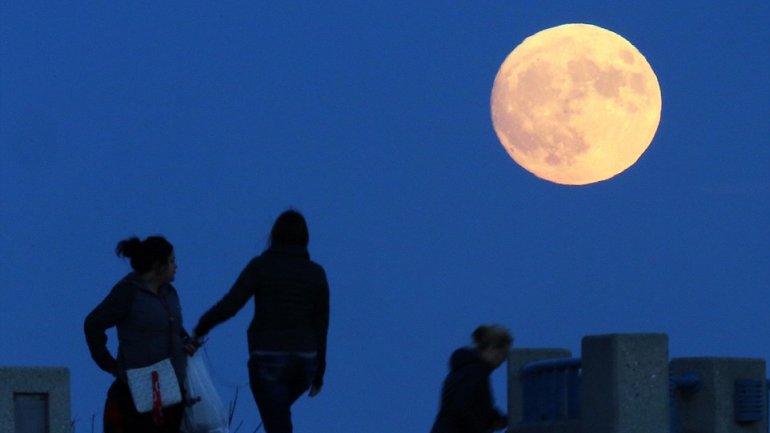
x,y
626,383
34,400
625,379
730,396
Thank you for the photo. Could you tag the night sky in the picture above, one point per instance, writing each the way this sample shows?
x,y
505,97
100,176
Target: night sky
x,y
202,121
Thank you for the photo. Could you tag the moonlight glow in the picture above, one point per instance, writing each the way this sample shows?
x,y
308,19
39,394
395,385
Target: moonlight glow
x,y
575,104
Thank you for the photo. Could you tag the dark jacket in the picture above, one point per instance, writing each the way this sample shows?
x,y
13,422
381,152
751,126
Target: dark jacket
x,y
149,328
291,304
467,405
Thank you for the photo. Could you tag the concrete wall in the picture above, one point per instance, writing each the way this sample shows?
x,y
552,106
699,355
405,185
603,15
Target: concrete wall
x,y
625,389
53,382
710,407
625,384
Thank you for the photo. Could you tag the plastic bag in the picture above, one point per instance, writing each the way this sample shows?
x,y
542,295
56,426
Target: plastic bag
x,y
204,412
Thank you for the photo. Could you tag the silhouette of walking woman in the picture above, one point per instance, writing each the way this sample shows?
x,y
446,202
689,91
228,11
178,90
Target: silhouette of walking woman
x,y
287,335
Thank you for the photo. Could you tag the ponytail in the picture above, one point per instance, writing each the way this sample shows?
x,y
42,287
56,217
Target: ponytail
x,y
129,248
144,255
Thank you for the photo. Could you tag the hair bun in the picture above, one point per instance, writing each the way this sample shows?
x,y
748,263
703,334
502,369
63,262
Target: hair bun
x,y
130,247
144,255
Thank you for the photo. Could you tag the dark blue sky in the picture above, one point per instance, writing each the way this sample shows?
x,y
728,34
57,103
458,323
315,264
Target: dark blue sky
x,y
203,120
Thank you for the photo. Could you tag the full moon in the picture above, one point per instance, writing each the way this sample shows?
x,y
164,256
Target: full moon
x,y
575,104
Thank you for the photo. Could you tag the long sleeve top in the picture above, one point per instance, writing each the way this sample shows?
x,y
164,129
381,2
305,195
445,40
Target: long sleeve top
x,y
467,405
149,328
291,304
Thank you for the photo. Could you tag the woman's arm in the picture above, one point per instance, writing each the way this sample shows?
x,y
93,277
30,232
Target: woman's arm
x,y
111,311
231,303
473,403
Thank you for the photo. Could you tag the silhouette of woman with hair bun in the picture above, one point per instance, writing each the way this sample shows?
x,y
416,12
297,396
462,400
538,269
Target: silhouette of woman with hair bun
x,y
145,310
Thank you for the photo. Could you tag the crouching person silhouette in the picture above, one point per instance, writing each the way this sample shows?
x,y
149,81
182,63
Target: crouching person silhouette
x,y
467,405
287,336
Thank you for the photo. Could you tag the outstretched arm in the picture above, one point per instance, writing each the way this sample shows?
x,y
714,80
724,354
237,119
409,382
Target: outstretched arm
x,y
231,303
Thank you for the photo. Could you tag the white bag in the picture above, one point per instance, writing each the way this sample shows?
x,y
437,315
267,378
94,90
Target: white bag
x,y
143,382
204,412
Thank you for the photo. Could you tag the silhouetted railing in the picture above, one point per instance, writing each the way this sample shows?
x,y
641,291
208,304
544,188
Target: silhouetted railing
x,y
551,390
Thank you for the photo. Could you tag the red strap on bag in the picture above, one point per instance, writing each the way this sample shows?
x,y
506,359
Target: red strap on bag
x,y
157,404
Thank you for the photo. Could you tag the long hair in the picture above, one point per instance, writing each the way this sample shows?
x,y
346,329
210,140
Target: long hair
x,y
145,254
289,228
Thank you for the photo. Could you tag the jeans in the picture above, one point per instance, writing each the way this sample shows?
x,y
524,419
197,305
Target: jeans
x,y
277,381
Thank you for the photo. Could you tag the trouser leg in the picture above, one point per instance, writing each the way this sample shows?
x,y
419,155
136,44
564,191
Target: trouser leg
x,y
277,381
117,408
274,408
272,397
